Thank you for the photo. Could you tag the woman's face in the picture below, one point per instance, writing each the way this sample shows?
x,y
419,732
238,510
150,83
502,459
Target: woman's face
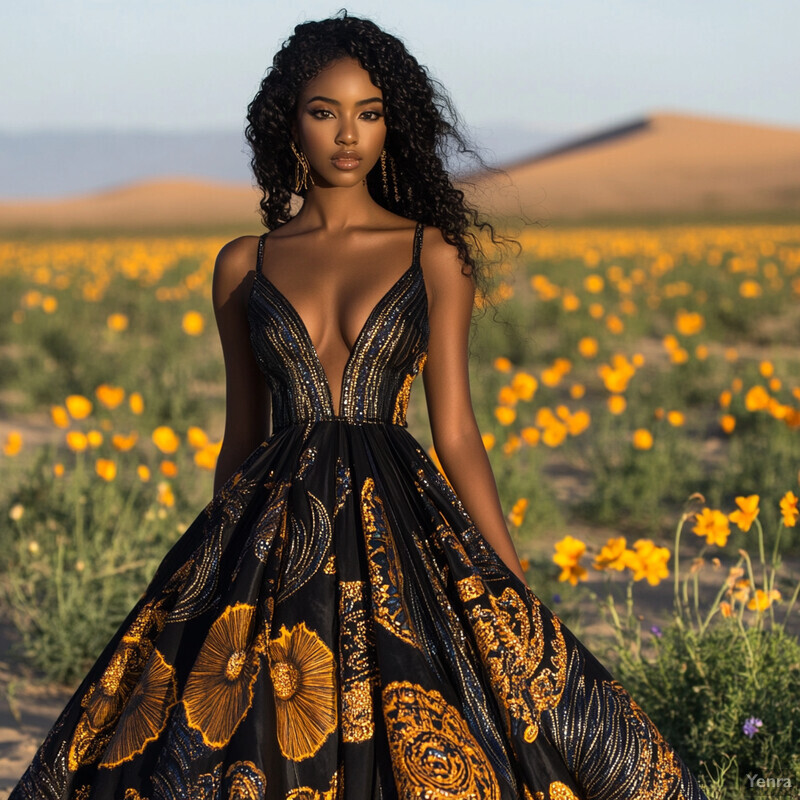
x,y
340,124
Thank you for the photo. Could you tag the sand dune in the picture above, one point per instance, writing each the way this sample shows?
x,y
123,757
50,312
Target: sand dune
x,y
163,202
660,163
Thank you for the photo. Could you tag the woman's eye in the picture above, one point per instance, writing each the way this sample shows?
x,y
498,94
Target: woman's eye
x,y
320,113
372,115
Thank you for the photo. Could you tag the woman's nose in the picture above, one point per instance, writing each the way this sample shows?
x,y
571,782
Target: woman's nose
x,y
347,133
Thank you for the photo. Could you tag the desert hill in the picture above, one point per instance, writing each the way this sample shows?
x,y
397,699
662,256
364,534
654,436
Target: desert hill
x,y
159,203
660,163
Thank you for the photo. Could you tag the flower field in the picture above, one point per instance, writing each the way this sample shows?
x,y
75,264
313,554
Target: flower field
x,y
624,378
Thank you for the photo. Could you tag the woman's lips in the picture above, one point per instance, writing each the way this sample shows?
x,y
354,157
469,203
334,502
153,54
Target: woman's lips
x,y
346,162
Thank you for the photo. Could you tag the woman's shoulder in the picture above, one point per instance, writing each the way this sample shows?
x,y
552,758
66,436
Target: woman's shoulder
x,y
235,261
439,259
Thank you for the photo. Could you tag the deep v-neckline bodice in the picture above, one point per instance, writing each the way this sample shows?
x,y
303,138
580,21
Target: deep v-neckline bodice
x,y
290,309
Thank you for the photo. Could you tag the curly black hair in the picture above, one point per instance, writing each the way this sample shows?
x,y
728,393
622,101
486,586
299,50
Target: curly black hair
x,y
422,131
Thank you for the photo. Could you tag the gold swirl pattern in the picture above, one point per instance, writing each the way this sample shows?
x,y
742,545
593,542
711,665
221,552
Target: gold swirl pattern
x,y
359,672
610,744
434,755
244,781
272,520
307,793
130,794
510,635
307,459
145,714
344,484
401,404
306,549
198,590
105,700
302,669
556,791
219,690
386,575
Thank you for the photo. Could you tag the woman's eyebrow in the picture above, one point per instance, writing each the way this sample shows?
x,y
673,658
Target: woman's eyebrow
x,y
337,103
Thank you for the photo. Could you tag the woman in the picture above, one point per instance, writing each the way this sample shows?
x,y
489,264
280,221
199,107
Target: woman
x,y
340,621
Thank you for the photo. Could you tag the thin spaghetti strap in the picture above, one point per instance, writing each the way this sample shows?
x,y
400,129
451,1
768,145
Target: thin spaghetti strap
x,y
418,243
260,258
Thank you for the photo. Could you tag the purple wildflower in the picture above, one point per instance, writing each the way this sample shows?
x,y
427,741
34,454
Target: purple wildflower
x,y
655,630
556,598
751,726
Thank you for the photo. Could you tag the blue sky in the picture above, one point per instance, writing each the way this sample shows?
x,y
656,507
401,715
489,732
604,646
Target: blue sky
x,y
539,64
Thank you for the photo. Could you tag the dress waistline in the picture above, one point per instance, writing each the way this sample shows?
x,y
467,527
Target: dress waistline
x,y
338,419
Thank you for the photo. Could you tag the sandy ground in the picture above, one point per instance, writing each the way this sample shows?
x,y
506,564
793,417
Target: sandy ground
x,y
669,163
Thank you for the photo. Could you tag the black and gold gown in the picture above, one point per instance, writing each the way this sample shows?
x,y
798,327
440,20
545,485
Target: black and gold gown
x,y
333,625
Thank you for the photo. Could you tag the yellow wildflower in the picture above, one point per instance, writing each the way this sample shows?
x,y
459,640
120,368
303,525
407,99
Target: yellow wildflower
x,y
77,441
165,439
524,386
13,443
106,469
59,416
554,434
648,561
165,497
746,513
750,289
117,322
505,415
502,364
136,403
578,422
168,468
613,555
756,399
512,444
506,396
588,347
196,437
78,406
642,439
517,514
675,418
110,396
713,525
762,600
124,443
577,391
617,404
193,323
789,510
568,553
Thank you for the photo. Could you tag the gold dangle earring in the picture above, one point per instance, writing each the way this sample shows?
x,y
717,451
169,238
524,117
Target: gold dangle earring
x,y
384,175
394,179
302,170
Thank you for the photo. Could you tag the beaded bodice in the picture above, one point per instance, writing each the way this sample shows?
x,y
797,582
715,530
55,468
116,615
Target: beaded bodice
x,y
388,353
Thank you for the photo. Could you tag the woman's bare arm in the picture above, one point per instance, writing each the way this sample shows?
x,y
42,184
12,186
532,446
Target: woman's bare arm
x,y
247,399
456,436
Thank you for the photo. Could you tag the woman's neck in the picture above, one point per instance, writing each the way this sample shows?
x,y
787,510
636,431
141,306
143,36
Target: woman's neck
x,y
336,208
